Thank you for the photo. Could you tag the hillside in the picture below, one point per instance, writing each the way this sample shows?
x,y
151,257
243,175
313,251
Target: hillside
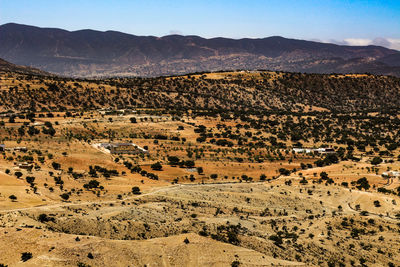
x,y
9,67
89,53
218,181
237,91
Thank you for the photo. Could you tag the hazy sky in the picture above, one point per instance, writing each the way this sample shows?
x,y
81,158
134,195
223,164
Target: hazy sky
x,y
358,22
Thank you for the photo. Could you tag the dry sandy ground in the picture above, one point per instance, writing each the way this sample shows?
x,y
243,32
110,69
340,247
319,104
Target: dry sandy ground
x,y
317,223
150,229
52,249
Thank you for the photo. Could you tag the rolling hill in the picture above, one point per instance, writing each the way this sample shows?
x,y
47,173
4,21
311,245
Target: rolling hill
x,y
89,53
243,91
9,67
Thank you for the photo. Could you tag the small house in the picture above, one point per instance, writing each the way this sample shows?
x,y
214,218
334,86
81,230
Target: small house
x,y
25,165
20,148
123,148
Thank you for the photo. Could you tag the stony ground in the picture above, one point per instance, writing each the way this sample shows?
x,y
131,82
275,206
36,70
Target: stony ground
x,y
255,224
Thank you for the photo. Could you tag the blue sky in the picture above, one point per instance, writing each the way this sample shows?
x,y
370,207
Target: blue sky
x,y
341,21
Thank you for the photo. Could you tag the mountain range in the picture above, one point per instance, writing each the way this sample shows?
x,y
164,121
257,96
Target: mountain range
x,y
89,53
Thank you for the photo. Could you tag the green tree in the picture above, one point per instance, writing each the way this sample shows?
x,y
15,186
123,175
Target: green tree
x,y
136,190
56,165
200,170
362,183
173,160
376,161
156,166
30,179
64,196
25,256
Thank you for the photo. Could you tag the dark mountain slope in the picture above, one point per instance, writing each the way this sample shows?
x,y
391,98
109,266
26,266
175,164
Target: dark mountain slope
x,y
9,67
94,53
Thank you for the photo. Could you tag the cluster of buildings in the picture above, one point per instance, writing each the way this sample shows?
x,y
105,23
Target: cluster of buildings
x,y
123,148
17,148
314,150
121,112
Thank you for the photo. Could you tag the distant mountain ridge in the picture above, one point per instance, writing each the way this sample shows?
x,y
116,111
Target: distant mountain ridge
x,y
89,53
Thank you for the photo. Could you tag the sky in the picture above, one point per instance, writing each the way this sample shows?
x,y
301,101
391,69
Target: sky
x,y
358,22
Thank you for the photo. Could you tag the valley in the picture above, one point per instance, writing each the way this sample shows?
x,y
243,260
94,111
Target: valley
x,y
217,181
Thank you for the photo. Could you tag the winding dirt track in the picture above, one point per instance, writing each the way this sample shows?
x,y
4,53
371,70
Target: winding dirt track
x,y
158,190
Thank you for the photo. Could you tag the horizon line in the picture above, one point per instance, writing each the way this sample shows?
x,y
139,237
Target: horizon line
x,y
193,35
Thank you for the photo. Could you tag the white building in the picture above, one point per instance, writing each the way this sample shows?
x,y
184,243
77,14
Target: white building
x,y
314,150
302,150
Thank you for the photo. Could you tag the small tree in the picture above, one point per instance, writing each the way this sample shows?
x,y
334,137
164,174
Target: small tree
x,y
94,183
303,181
324,175
18,174
362,183
376,161
284,172
25,256
64,196
136,190
214,176
30,179
173,160
377,203
156,166
56,165
189,163
13,198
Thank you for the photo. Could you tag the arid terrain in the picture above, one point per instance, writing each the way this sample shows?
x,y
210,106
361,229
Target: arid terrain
x,y
219,184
